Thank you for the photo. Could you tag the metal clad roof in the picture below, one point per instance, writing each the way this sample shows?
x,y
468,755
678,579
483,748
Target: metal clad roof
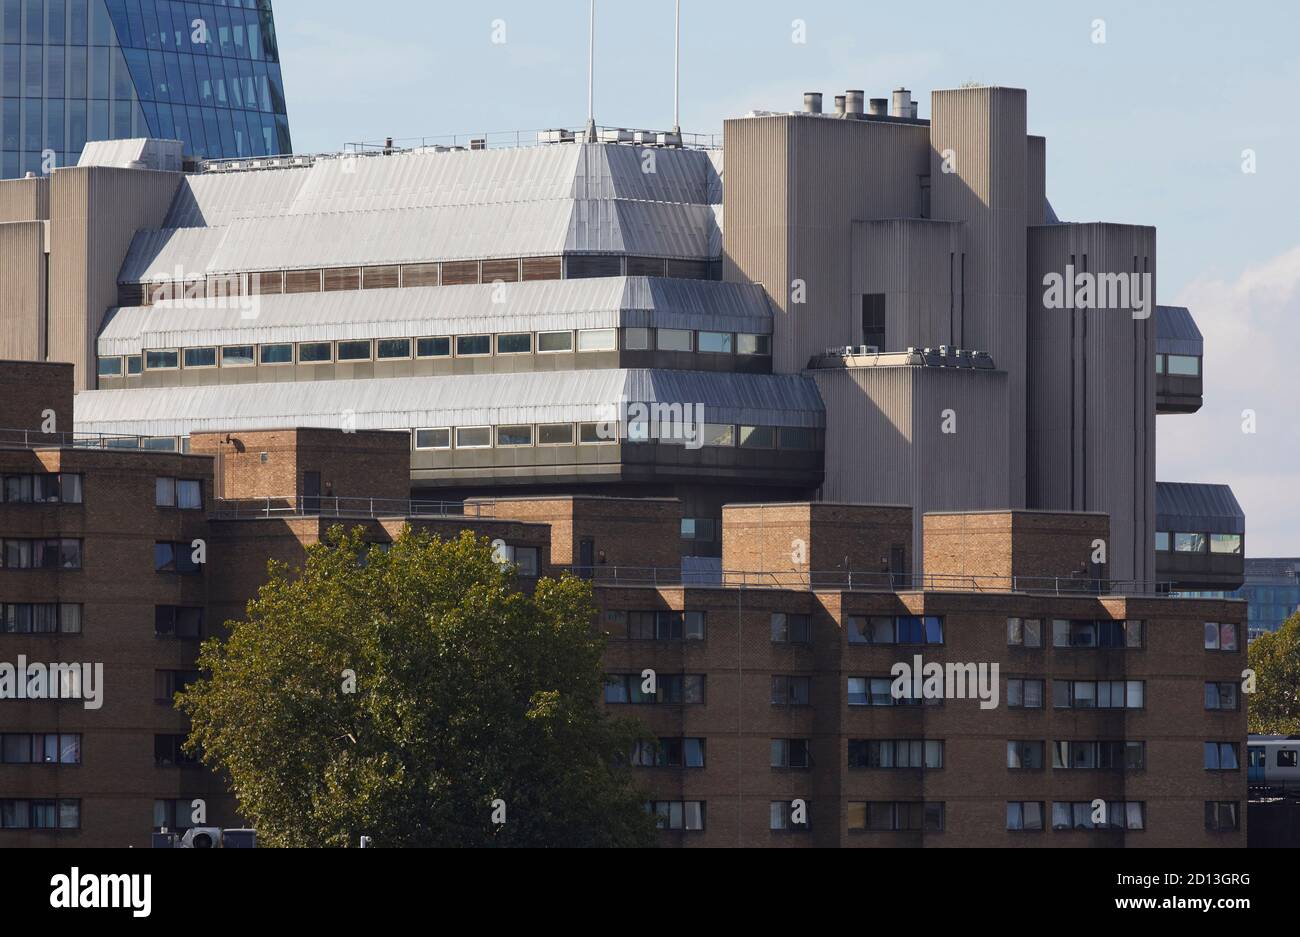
x,y
1177,332
548,305
1184,508
159,254
218,198
477,400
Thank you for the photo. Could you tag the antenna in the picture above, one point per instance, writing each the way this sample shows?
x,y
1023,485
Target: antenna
x,y
591,77
677,72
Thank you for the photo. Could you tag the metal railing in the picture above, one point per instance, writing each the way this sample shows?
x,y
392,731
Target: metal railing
x,y
35,439
516,139
328,506
856,581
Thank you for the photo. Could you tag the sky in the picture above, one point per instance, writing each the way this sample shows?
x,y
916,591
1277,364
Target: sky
x,y
1149,127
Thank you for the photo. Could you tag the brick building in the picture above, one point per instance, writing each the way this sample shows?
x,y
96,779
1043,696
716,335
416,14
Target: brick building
x,y
773,713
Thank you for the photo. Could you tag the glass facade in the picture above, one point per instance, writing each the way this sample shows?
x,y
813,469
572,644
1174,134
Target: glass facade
x,y
1272,588
77,70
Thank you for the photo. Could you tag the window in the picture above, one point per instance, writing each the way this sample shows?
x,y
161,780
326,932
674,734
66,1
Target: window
x,y
1225,544
757,437
167,683
753,344
670,689
895,753
174,621
675,340
557,434
597,434
110,367
1103,694
1097,634
898,817
636,339
391,349
40,814
354,351
271,355
433,348
668,753
1222,816
175,558
514,437
1221,637
42,489
163,360
40,749
666,626
1025,817
315,353
433,439
1287,758
906,630
1183,366
1099,756
180,493
237,356
717,343
1026,756
1190,543
1164,543
873,320
549,343
598,340
49,618
134,365
474,437
1221,756
878,691
169,752
1024,632
1221,697
797,438
42,554
515,344
785,818
791,691
174,815
791,629
791,753
685,816
527,562
1024,694
1113,815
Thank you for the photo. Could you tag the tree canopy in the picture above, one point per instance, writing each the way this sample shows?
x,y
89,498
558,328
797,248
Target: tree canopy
x,y
415,695
1274,707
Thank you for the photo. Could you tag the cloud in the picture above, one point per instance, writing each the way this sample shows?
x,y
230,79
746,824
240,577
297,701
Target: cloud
x,y
1252,333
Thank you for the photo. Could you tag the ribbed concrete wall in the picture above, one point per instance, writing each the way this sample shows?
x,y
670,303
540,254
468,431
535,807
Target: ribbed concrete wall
x,y
980,135
1036,182
885,442
24,200
94,214
794,187
1091,442
22,290
917,265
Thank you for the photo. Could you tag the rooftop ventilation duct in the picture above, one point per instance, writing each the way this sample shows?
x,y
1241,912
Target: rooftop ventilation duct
x,y
812,102
839,105
879,107
853,104
902,106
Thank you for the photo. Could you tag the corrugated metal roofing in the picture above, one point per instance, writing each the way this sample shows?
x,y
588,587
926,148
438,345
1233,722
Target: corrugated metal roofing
x,y
160,155
478,400
1184,508
1177,332
550,305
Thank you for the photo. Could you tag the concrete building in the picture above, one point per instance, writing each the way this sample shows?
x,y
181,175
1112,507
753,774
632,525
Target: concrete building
x,y
774,722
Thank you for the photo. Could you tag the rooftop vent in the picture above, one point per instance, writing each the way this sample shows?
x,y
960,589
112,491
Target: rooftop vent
x,y
853,104
812,102
879,107
556,136
839,105
902,106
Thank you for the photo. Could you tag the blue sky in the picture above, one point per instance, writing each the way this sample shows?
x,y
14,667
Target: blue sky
x,y
1147,128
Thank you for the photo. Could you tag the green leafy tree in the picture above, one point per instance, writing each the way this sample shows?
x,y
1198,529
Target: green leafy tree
x,y
1275,705
413,695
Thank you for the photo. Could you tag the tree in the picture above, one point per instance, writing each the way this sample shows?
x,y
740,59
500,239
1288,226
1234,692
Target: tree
x,y
416,696
1275,658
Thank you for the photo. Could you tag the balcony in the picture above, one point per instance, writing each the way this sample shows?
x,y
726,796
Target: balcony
x,y
1180,357
1200,539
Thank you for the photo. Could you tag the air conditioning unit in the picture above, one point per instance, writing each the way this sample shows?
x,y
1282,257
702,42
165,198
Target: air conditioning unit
x,y
645,137
669,139
478,143
202,837
555,136
868,350
616,136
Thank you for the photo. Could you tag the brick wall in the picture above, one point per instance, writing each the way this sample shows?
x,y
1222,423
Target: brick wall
x,y
28,389
995,547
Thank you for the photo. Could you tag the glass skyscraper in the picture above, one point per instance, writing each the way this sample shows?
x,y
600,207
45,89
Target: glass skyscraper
x,y
77,70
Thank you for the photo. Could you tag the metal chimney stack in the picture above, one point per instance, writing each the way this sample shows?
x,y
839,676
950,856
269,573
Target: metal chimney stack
x,y
853,104
812,102
879,107
902,106
839,105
